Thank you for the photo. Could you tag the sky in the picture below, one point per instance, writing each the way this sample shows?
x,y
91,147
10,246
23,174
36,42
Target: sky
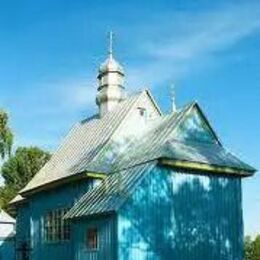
x,y
50,52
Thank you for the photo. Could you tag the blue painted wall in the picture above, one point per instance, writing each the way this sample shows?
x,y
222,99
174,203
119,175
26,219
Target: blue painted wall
x,y
106,227
175,215
171,215
23,223
30,220
7,248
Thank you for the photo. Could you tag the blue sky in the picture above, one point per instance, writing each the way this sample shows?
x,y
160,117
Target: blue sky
x,y
50,52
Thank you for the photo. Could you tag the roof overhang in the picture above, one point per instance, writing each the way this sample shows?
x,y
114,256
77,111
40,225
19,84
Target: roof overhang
x,y
17,200
60,182
91,216
207,168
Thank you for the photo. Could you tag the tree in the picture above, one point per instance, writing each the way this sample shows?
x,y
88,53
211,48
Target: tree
x,y
19,169
6,136
248,248
252,248
256,248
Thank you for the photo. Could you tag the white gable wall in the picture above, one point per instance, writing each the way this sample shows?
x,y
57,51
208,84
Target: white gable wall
x,y
135,122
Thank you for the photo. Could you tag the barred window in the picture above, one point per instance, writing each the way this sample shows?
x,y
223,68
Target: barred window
x,y
92,239
56,228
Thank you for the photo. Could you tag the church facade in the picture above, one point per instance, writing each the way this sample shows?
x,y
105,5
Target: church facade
x,y
133,183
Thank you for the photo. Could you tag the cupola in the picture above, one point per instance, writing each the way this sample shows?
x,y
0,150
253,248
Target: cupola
x,y
110,83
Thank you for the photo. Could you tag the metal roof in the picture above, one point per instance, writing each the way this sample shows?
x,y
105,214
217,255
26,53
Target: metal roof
x,y
136,150
17,199
159,141
85,140
205,153
110,195
89,147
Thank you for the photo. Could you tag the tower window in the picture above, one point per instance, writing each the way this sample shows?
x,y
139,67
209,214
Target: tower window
x,y
142,111
92,239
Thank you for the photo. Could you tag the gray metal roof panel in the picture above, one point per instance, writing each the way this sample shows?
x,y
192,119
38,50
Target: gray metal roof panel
x,y
137,150
17,199
84,142
111,193
211,154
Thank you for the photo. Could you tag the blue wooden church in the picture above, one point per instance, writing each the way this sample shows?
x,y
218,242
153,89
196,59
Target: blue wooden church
x,y
133,183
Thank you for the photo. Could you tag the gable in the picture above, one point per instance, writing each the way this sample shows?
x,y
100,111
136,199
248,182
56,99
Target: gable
x,y
136,123
195,128
132,128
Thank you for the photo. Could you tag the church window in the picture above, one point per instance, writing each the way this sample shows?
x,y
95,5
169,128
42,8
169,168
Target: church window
x,y
56,228
142,111
92,239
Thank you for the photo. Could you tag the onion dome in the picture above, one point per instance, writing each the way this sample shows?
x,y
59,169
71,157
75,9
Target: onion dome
x,y
110,65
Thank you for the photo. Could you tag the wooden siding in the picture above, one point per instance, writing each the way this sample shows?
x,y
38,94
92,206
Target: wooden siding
x,y
30,220
174,215
106,227
7,248
23,223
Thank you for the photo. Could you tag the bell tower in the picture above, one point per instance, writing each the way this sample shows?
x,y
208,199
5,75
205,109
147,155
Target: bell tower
x,y
110,82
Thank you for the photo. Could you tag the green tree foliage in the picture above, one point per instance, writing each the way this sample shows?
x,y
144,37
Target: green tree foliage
x,y
248,248
6,136
256,248
19,169
252,248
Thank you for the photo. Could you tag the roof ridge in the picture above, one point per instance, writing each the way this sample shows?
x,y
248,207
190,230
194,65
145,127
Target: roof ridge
x,y
87,119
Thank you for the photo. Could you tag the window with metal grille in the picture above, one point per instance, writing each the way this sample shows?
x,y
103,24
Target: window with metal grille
x,y
92,239
56,228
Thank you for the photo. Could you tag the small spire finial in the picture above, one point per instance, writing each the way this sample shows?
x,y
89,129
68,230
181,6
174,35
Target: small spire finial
x,y
173,99
110,48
